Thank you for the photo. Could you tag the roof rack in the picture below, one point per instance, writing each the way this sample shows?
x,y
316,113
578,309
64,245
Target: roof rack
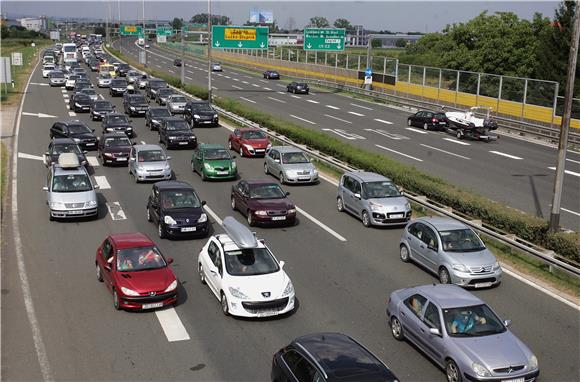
x,y
68,160
239,233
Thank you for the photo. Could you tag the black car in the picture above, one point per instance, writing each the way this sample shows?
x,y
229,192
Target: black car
x,y
271,75
328,357
429,120
153,85
176,210
114,148
118,87
117,123
135,104
77,131
175,131
59,146
177,62
80,102
163,94
298,87
100,109
123,69
155,116
80,84
198,113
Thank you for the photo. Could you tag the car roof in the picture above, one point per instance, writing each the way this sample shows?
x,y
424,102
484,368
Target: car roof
x,y
448,295
114,135
287,149
80,170
131,240
208,146
173,119
366,176
73,122
147,147
442,223
173,185
114,114
62,141
259,181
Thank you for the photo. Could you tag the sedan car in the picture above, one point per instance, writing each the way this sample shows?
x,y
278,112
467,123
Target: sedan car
x,y
154,117
46,69
216,67
177,62
117,122
175,132
460,333
93,95
114,148
451,250
271,75
176,103
104,80
135,104
163,95
198,113
212,161
101,108
77,131
244,275
290,165
58,146
149,162
122,70
263,201
56,78
135,272
249,142
298,87
176,210
80,102
117,87
428,120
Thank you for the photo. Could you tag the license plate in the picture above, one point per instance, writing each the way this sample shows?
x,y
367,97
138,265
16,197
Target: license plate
x,y
188,229
207,122
485,285
442,123
183,143
514,380
304,178
260,150
396,215
484,136
121,159
222,172
278,217
89,144
153,305
75,212
266,314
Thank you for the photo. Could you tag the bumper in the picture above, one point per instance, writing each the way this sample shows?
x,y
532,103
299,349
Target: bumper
x,y
141,302
154,176
200,229
301,178
71,214
476,281
137,112
206,122
254,152
220,175
88,145
115,92
274,219
527,377
57,83
175,143
116,160
390,218
244,308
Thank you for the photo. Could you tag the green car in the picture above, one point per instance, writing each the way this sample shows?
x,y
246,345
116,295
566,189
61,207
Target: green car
x,y
213,162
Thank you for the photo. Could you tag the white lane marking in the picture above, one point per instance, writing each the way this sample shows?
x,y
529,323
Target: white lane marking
x,y
563,209
573,161
416,131
281,92
312,101
72,114
383,121
67,101
189,78
400,153
357,114
277,100
228,77
93,161
116,211
212,214
102,182
245,82
158,66
321,224
65,95
142,142
172,325
237,87
264,81
312,93
266,88
219,74
384,133
295,96
443,151
344,134
302,119
567,172
249,100
101,96
39,115
333,107
30,156
171,71
361,106
214,88
63,90
235,79
457,142
506,155
38,84
338,119
256,85
282,86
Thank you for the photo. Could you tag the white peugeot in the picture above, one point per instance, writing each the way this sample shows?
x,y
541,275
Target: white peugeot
x,y
244,275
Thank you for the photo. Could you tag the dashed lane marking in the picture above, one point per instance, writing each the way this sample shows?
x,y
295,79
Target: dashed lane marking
x,y
361,106
567,172
265,88
399,153
93,161
237,87
72,114
312,101
443,151
302,119
277,100
256,85
457,142
102,182
383,121
116,211
570,211
355,113
333,107
172,325
249,100
416,131
506,155
320,224
338,119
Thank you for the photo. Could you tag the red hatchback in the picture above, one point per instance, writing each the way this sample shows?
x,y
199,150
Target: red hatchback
x,y
263,201
249,142
135,272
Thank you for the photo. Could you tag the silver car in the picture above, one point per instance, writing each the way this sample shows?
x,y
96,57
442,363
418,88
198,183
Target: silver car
x,y
451,250
372,198
132,76
143,81
149,162
176,103
56,78
104,80
461,334
290,165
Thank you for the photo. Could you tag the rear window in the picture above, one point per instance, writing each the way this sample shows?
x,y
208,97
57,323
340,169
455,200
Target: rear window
x,y
440,116
157,84
357,361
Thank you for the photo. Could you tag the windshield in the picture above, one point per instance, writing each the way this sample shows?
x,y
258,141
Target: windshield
x,y
89,92
73,77
123,66
118,83
178,99
138,99
382,189
57,75
472,321
250,262
78,129
117,141
160,113
118,118
176,125
266,191
216,154
132,74
461,240
203,107
139,259
151,156
69,48
179,199
253,134
157,84
294,158
105,76
65,148
165,91
49,67
71,183
105,105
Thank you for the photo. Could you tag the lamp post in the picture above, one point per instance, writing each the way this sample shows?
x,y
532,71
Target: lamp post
x,y
144,38
209,51
182,57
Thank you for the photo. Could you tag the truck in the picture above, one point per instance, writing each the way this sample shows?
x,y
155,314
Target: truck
x,y
141,41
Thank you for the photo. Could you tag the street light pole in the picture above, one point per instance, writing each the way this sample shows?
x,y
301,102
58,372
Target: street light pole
x,y
209,51
119,28
144,38
182,58
565,125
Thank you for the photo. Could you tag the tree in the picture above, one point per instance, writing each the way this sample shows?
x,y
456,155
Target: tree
x,y
342,23
177,23
201,18
319,22
376,43
400,43
100,30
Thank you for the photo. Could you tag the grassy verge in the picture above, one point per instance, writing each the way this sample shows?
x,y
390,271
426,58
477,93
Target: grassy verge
x,y
3,171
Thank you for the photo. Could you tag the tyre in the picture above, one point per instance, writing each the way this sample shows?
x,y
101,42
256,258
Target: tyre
x,y
233,204
161,231
136,178
230,145
241,151
404,253
397,329
409,123
250,219
50,217
459,134
148,214
225,307
444,277
201,274
366,219
425,126
339,204
99,275
281,177
116,300
266,171
452,372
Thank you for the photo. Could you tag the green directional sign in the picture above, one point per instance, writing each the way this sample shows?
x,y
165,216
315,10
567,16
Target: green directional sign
x,y
324,39
233,37
130,30
164,31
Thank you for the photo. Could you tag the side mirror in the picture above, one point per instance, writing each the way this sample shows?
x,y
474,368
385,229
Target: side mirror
x,y
108,267
287,193
282,264
357,195
203,203
170,260
133,143
45,188
433,248
234,157
46,154
507,323
435,332
93,130
85,151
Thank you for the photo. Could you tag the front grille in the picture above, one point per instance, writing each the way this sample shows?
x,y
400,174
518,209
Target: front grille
x,y
509,369
303,172
160,170
267,306
74,205
483,280
275,213
482,269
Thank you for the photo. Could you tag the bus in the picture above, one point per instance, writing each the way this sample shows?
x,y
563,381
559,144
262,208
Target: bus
x,y
69,52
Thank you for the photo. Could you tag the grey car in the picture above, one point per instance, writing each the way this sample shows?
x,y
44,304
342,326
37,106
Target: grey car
x,y
372,198
149,162
461,334
290,165
176,103
451,250
56,78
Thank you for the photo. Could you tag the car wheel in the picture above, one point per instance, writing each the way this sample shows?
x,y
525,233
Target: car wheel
x,y
452,372
366,220
99,275
444,277
425,126
50,217
230,145
339,204
161,231
250,219
203,176
409,123
266,171
281,177
234,206
241,151
148,214
404,252
201,274
397,329
225,308
459,134
116,300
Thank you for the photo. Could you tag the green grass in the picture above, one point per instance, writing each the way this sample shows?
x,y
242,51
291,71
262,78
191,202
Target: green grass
x,y
3,171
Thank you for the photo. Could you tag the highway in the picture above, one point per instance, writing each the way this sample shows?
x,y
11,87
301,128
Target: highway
x,y
513,171
342,278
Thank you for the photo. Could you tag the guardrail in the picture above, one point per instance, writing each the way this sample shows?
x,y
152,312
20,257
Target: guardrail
x,y
548,256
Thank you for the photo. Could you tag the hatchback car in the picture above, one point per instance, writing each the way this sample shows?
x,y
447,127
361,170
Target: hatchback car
x,y
263,201
332,357
58,146
76,130
428,120
56,78
155,116
271,75
104,80
176,103
149,162
372,198
176,210
101,108
163,95
135,104
114,148
249,142
198,113
451,250
298,87
175,132
117,87
216,67
80,102
213,161
244,275
135,272
460,333
117,122
154,84
290,165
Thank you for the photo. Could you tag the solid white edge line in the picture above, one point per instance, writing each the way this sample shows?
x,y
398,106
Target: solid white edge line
x,y
320,224
24,284
213,214
355,113
172,325
456,142
570,211
397,152
416,131
443,151
361,106
383,121
249,100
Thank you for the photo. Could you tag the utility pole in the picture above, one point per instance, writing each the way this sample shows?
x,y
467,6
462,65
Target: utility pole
x,y
565,125
182,57
209,51
369,63
144,35
119,28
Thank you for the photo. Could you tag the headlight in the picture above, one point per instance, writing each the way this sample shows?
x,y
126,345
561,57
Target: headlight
x,y
56,205
496,266
249,147
132,107
215,116
207,166
261,213
480,370
91,203
234,165
167,167
171,286
169,220
237,293
155,121
108,155
533,362
269,146
77,104
129,128
460,268
77,140
202,218
289,289
376,206
292,211
172,137
109,129
408,206
129,292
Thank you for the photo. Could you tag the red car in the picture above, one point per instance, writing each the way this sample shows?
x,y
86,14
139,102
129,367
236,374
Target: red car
x,y
249,142
263,201
135,272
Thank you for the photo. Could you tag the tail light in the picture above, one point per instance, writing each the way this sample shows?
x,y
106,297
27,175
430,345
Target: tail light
x,y
434,120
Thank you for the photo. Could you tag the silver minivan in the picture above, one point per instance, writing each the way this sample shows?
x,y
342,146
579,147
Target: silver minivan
x,y
372,198
149,162
290,165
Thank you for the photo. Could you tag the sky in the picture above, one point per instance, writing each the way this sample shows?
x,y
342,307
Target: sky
x,y
402,16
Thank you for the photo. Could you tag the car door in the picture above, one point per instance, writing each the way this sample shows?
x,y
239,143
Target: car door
x,y
132,158
346,192
107,262
273,166
357,203
236,139
411,313
413,235
433,344
430,248
155,205
56,130
241,194
215,274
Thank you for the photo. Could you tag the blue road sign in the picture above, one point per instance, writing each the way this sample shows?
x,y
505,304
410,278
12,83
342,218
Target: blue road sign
x,y
368,72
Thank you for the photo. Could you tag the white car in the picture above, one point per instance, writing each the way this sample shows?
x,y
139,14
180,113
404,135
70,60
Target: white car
x,y
143,81
244,275
46,69
216,67
70,82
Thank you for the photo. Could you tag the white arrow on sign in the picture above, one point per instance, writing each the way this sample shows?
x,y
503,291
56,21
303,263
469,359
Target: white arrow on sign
x,y
338,46
217,43
240,44
39,115
309,46
261,45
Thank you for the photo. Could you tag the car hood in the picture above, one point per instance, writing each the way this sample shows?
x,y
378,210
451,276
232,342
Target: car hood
x,y
84,102
299,167
218,162
117,124
153,280
144,104
205,113
257,143
73,197
180,133
270,204
117,149
181,214
254,286
178,104
394,204
473,259
152,165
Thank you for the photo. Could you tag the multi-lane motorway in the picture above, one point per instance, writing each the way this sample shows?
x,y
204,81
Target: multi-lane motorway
x,y
342,272
513,171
